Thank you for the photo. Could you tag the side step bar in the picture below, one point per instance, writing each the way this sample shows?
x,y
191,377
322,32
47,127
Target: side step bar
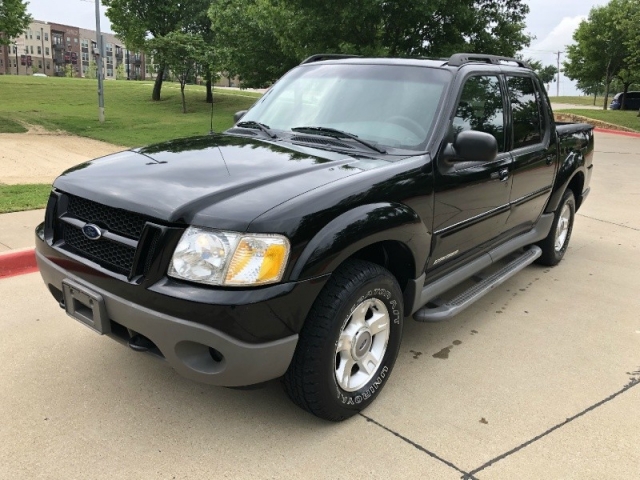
x,y
466,298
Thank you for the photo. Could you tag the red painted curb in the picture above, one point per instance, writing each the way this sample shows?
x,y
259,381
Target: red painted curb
x,y
618,132
18,262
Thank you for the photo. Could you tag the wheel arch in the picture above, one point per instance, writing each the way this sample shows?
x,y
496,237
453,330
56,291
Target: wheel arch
x,y
379,233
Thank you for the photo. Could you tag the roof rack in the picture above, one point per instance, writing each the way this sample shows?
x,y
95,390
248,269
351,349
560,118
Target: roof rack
x,y
460,59
326,56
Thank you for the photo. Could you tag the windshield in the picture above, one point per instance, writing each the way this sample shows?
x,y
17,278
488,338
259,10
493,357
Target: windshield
x,y
391,105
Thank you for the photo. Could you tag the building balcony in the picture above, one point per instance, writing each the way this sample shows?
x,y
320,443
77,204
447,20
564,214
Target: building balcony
x,y
58,46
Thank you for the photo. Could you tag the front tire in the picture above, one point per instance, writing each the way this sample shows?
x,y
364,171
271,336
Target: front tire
x,y
555,245
349,342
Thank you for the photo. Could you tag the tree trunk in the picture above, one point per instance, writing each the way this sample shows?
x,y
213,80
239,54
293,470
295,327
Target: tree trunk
x,y
606,94
184,101
624,95
157,87
209,87
595,97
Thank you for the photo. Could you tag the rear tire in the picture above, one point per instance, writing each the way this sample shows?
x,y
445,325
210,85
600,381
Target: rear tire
x,y
349,342
555,245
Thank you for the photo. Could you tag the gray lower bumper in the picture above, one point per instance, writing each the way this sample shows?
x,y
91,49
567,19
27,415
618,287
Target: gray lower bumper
x,y
184,344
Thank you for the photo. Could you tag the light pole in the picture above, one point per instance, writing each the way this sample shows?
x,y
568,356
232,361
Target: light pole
x,y
99,62
15,50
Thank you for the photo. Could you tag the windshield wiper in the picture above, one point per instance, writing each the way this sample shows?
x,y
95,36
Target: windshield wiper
x,y
257,125
332,132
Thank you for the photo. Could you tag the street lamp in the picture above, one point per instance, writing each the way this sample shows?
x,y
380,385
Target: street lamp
x,y
99,62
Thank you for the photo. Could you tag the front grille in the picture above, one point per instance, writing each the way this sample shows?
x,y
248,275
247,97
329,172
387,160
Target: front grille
x,y
112,255
129,241
115,220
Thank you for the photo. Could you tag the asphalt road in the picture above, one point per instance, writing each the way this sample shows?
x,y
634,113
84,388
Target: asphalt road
x,y
539,380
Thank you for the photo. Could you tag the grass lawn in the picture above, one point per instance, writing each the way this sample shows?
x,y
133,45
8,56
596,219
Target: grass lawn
x,y
15,198
10,126
625,118
132,119
580,100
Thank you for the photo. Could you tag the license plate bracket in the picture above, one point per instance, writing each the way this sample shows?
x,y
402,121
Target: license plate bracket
x,y
86,306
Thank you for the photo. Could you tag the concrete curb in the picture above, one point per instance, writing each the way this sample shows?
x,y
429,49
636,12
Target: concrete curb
x,y
618,132
17,262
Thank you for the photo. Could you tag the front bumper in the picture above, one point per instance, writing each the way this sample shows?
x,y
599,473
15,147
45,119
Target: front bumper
x,y
185,344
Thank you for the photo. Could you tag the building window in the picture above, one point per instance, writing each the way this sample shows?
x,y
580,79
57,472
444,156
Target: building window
x,y
37,35
46,51
30,35
40,64
75,40
48,66
85,57
15,49
85,43
68,39
31,49
39,50
46,37
109,72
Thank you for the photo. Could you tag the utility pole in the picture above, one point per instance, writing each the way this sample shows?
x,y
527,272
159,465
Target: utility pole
x,y
99,62
15,49
558,81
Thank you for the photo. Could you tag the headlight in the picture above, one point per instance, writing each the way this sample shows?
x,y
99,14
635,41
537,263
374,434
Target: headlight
x,y
226,258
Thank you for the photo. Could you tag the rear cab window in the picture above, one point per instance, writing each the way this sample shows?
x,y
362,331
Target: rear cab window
x,y
529,123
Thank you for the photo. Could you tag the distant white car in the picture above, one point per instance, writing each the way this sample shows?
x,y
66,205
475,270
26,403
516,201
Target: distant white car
x,y
39,75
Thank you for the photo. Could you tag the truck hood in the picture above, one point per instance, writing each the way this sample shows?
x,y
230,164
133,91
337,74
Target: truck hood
x,y
219,181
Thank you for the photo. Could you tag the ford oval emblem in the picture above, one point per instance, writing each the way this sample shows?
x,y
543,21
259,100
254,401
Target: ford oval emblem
x,y
91,231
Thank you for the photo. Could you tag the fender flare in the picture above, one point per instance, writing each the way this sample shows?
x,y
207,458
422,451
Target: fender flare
x,y
358,228
560,187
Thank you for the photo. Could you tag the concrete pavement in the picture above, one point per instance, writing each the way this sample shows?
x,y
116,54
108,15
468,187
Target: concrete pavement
x,y
17,230
540,379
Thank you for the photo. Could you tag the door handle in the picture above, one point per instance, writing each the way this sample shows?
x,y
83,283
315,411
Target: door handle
x,y
504,174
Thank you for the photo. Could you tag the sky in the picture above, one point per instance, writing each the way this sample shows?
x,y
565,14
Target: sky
x,y
552,22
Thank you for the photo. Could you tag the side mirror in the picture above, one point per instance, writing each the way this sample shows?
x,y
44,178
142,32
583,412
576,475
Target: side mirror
x,y
238,115
473,146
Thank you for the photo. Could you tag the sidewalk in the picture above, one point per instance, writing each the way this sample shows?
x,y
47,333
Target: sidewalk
x,y
17,229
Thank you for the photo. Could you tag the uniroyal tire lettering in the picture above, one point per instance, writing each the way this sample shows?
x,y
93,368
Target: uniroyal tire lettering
x,y
368,393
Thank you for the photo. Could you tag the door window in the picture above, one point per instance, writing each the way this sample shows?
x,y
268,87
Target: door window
x,y
527,128
481,108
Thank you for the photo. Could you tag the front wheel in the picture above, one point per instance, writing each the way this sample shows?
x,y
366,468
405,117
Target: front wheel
x,y
349,343
556,244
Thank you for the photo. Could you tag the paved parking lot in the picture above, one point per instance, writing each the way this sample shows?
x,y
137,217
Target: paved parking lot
x,y
539,380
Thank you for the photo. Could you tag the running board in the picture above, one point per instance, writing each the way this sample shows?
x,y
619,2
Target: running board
x,y
466,298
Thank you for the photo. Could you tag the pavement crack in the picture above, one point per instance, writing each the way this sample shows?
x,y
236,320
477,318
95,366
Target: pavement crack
x,y
610,223
632,383
466,475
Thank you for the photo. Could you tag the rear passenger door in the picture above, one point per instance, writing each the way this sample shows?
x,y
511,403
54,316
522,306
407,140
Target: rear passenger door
x,y
472,198
533,148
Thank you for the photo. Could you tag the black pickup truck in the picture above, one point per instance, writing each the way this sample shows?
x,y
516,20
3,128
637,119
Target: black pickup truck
x,y
355,194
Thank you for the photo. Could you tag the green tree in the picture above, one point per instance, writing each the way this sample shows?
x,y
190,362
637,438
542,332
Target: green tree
x,y
121,74
92,71
602,49
137,21
182,53
546,73
261,39
68,70
14,19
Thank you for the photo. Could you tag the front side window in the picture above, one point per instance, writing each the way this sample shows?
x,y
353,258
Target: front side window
x,y
527,129
391,105
481,108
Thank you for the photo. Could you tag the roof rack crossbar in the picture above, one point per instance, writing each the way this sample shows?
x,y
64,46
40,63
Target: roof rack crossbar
x,y
326,56
460,59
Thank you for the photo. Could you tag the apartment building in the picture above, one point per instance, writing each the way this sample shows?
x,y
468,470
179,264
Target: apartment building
x,y
29,53
55,49
65,45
